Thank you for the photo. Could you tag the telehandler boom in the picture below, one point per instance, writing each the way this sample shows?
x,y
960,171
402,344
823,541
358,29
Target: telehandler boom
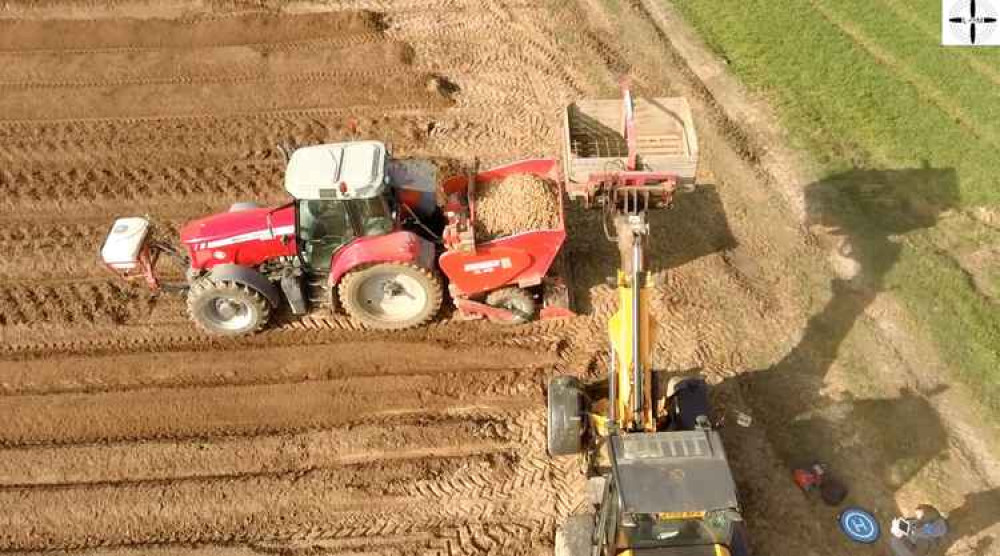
x,y
660,468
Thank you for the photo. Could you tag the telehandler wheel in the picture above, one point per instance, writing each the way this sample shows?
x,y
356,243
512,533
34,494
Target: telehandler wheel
x,y
515,300
566,416
226,308
391,296
576,536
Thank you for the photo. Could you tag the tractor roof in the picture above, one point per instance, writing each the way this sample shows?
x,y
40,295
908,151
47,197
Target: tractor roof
x,y
354,170
676,471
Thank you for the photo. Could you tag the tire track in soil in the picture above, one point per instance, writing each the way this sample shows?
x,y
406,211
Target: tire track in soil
x,y
492,101
86,303
204,31
400,493
192,141
232,64
307,77
34,342
409,437
255,409
486,537
46,190
138,101
99,302
272,365
549,59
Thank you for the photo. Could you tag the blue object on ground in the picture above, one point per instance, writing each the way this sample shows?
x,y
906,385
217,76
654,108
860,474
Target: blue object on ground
x,y
859,525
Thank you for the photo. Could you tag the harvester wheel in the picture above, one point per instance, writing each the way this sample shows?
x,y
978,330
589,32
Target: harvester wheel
x,y
566,416
391,296
515,300
226,308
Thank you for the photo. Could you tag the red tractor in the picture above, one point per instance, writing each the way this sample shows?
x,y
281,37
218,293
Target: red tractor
x,y
362,229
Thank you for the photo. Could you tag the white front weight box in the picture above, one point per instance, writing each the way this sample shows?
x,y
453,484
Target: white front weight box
x,y
125,243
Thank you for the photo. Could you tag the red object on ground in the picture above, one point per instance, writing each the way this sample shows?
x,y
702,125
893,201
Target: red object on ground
x,y
808,479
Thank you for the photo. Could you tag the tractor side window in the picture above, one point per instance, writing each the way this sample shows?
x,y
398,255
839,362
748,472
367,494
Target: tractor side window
x,y
324,226
374,216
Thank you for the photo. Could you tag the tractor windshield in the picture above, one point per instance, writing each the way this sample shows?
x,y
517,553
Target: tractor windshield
x,y
662,530
324,226
374,216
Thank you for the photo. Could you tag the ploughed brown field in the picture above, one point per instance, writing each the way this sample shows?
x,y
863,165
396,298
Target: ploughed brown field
x,y
125,431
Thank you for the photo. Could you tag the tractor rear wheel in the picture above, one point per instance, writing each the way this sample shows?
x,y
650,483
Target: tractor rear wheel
x,y
226,308
519,302
391,296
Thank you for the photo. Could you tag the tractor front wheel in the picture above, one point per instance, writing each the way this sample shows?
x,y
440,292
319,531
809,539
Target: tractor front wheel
x,y
226,308
391,296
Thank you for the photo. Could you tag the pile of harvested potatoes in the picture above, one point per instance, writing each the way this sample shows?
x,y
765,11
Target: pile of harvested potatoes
x,y
515,204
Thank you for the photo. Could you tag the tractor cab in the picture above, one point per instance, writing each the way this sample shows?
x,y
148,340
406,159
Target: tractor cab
x,y
670,494
341,193
665,494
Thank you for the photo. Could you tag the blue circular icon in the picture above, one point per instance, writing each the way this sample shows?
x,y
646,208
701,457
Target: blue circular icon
x,y
859,525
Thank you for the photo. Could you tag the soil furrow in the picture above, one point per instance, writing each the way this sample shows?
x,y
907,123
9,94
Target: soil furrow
x,y
434,474
144,101
257,409
304,78
170,330
61,188
297,45
190,141
108,301
493,535
195,32
260,508
272,365
403,438
229,65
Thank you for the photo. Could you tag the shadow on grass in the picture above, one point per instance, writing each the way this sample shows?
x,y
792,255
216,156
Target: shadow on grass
x,y
874,444
979,511
870,209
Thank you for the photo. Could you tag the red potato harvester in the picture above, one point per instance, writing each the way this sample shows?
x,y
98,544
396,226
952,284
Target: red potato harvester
x,y
361,231
506,269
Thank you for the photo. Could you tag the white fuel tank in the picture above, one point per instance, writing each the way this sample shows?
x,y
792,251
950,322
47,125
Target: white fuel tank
x,y
125,242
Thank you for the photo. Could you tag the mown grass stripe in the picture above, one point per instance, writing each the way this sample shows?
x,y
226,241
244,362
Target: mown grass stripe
x,y
863,86
986,61
918,59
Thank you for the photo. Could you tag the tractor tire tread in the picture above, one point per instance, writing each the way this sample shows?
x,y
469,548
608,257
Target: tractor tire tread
x,y
435,297
206,284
